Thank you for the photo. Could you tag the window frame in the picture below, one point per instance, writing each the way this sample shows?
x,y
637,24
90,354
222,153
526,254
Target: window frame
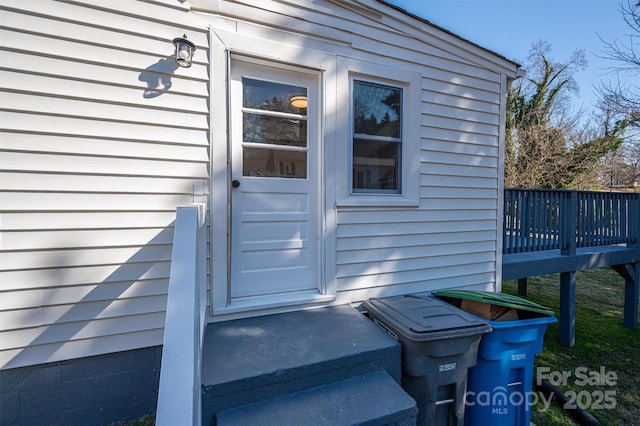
x,y
350,71
376,138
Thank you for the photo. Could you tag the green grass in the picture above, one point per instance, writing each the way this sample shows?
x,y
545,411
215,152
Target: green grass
x,y
601,342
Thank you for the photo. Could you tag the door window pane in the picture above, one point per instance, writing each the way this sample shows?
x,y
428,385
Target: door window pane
x,y
272,119
270,96
274,130
260,162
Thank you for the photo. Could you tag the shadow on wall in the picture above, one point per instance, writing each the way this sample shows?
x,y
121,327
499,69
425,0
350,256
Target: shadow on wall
x,y
96,389
158,77
136,289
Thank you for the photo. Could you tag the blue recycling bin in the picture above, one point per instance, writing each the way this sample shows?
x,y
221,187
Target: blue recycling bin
x,y
500,385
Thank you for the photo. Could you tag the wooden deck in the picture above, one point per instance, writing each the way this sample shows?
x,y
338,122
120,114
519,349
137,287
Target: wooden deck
x,y
562,232
530,264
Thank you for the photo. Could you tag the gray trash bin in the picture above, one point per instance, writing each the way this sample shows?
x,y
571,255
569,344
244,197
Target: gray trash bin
x,y
439,343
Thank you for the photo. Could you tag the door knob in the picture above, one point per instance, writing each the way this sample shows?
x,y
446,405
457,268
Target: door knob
x,y
235,183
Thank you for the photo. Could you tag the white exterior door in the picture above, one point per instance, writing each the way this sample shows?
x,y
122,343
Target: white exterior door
x,y
275,228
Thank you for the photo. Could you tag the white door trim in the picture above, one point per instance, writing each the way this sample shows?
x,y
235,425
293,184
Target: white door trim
x,y
222,303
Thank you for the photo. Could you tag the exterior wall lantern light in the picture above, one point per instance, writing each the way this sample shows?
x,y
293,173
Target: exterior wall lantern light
x,y
184,51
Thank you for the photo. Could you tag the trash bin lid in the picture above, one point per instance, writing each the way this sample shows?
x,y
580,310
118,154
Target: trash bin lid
x,y
500,299
424,318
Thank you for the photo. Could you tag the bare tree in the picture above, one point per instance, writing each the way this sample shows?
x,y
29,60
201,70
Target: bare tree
x,y
621,98
625,55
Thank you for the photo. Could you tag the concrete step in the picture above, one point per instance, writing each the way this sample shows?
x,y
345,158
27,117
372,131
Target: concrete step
x,y
255,359
370,399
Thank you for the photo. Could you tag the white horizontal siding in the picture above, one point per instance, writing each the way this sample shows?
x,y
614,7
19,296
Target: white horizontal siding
x,y
61,145
42,201
36,298
414,239
458,170
422,283
86,238
63,258
104,183
86,311
183,90
113,165
359,277
50,278
388,27
100,110
80,51
60,124
458,181
102,136
458,193
132,28
75,220
452,135
410,216
109,326
457,94
460,159
452,122
376,281
451,239
444,148
415,253
36,354
410,228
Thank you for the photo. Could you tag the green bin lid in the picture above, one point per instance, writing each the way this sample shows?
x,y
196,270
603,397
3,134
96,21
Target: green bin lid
x,y
500,299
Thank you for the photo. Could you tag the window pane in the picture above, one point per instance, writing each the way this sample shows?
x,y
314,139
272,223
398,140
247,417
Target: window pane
x,y
376,165
270,96
274,163
377,109
274,130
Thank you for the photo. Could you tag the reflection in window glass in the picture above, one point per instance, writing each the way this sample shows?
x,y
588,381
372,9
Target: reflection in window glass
x,y
270,96
271,122
375,165
376,109
377,143
267,129
262,162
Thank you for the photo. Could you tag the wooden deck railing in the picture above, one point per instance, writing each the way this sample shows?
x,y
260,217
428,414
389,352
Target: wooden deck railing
x,y
539,219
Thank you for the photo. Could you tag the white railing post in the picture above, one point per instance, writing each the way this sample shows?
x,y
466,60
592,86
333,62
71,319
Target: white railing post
x,y
179,394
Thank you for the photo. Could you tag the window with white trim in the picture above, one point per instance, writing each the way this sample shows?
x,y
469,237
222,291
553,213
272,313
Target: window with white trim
x,y
379,138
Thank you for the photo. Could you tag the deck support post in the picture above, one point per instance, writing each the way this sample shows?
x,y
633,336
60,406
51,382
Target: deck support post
x,y
568,308
522,287
631,275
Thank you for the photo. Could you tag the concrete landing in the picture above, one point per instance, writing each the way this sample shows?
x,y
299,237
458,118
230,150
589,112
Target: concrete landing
x,y
255,359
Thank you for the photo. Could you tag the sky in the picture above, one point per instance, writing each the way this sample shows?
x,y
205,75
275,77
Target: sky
x,y
510,27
